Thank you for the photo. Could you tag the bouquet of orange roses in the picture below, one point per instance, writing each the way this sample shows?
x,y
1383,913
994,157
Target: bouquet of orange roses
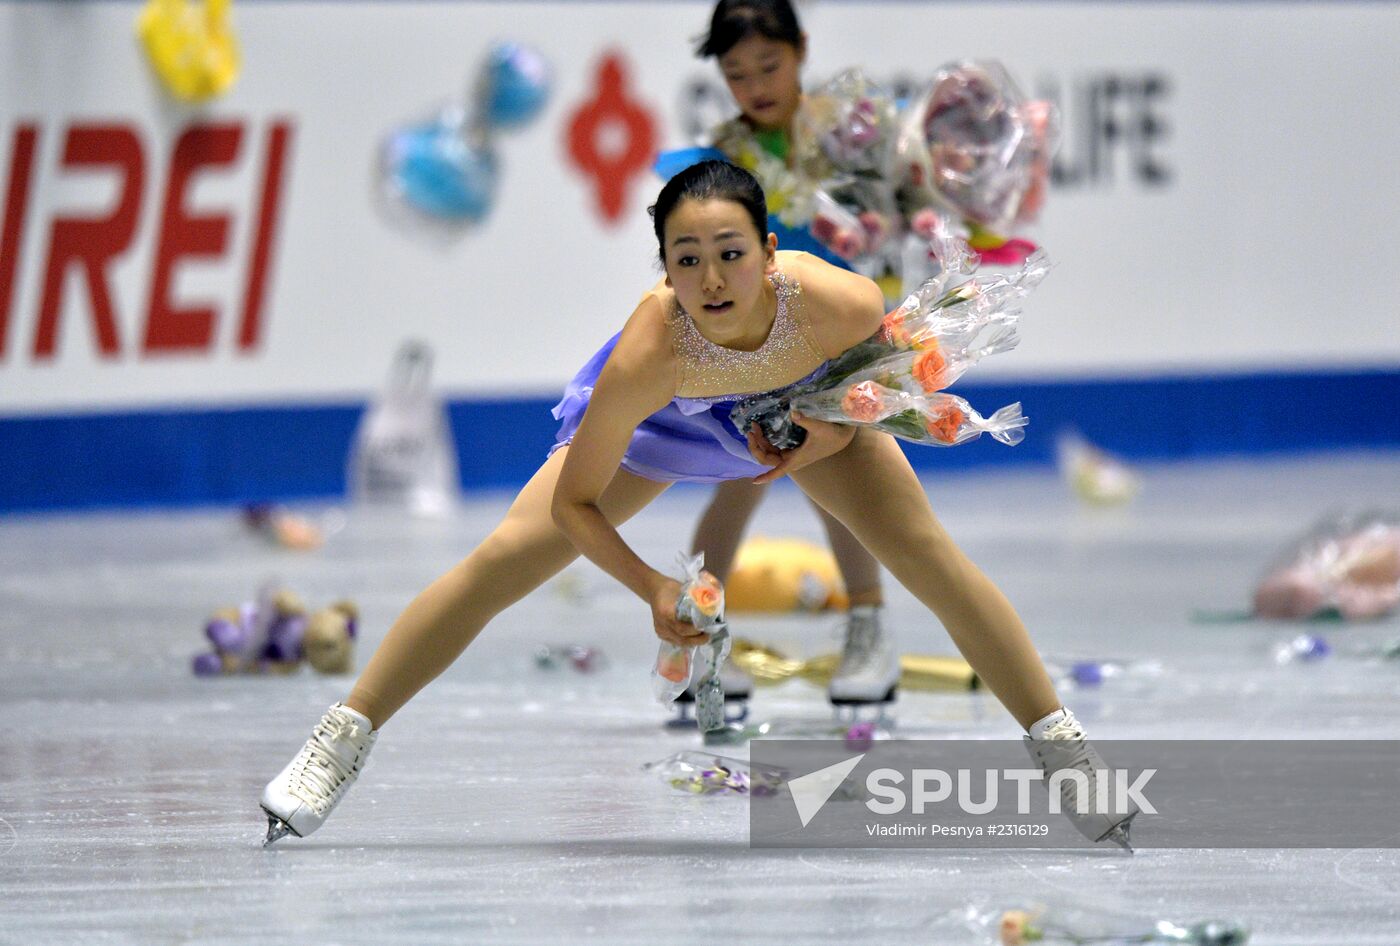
x,y
701,603
895,380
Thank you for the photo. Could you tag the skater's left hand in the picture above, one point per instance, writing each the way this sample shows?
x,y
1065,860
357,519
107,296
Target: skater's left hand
x,y
668,627
822,441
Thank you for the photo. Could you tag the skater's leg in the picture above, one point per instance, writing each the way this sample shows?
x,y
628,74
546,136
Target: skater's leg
x,y
523,552
860,572
721,530
869,669
722,524
870,487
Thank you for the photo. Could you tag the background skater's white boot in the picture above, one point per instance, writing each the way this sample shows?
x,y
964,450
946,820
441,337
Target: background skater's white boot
x,y
869,668
303,794
1057,742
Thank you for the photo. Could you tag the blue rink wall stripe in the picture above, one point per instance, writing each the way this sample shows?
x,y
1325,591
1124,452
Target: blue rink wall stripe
x,y
220,456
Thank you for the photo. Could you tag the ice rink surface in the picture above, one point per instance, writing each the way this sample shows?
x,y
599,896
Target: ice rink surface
x,y
506,804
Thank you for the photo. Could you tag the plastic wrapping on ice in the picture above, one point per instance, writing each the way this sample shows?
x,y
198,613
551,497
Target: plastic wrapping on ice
x,y
404,455
857,737
704,773
1070,923
1347,566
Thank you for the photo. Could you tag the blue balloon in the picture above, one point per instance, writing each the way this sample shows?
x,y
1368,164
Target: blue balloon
x,y
517,85
670,163
435,170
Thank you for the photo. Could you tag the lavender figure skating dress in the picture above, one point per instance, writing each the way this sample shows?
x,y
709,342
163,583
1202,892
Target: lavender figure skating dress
x,y
692,439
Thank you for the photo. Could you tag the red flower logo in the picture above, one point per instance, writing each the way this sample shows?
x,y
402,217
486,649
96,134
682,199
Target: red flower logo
x,y
611,137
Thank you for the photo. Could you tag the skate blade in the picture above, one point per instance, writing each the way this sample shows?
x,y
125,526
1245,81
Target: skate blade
x,y
1119,834
851,711
276,828
687,698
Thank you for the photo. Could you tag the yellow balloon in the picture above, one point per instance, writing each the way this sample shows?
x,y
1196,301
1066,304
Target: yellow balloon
x,y
191,46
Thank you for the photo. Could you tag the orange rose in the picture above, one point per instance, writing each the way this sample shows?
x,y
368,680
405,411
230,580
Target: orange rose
x,y
862,403
929,370
893,327
674,665
1016,929
706,599
944,424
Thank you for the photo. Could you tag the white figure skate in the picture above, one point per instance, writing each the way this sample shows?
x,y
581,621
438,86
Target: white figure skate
x,y
303,794
1064,746
868,674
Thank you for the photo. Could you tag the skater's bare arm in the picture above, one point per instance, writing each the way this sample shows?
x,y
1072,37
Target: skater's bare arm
x,y
844,308
638,380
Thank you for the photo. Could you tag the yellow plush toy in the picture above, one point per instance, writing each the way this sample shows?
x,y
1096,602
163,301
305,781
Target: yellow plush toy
x,y
191,46
778,575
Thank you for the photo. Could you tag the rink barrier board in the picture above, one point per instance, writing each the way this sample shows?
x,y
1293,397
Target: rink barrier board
x,y
214,456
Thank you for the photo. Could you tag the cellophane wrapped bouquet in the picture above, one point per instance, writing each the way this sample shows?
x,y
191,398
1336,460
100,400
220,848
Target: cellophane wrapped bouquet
x,y
970,156
1073,925
701,603
1347,566
894,381
855,125
974,146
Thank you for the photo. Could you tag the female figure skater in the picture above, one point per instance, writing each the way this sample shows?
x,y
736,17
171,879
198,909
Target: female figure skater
x,y
733,317
760,48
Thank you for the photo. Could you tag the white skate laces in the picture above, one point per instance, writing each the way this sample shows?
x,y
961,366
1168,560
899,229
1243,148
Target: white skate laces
x,y
303,795
869,668
329,758
1057,743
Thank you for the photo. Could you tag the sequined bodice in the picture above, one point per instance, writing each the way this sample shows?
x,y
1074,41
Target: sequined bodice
x,y
788,354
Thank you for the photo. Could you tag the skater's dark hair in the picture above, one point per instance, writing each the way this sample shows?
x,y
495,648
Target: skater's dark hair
x,y
709,180
736,20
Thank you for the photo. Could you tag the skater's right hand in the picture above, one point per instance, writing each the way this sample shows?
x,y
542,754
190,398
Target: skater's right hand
x,y
670,628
